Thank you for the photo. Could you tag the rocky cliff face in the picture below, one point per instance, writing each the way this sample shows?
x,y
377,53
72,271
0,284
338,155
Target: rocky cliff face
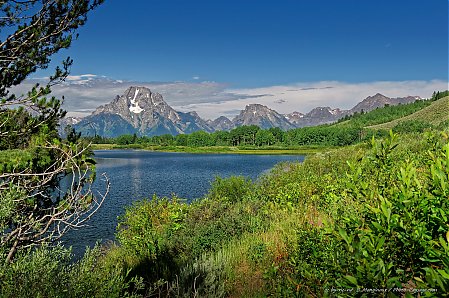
x,y
67,121
262,116
141,108
140,111
221,123
294,118
105,125
191,122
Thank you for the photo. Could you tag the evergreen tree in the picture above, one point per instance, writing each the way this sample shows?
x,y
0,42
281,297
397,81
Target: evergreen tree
x,y
33,158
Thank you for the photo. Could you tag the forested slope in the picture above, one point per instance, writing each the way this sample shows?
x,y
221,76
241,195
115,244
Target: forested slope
x,y
434,114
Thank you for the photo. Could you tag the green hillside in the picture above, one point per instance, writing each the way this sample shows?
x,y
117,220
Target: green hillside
x,y
434,114
382,115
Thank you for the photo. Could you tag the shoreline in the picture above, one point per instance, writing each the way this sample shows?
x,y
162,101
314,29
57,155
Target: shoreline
x,y
305,150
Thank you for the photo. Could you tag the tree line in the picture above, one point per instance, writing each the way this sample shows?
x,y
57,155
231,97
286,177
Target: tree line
x,y
251,135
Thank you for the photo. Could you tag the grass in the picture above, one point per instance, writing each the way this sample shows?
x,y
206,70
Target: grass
x,y
266,150
434,114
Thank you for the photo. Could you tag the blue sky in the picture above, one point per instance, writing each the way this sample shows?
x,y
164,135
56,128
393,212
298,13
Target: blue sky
x,y
253,44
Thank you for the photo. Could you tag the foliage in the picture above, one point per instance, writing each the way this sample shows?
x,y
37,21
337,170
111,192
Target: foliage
x,y
147,226
325,135
34,158
160,238
437,95
410,126
264,137
233,189
28,181
384,114
435,114
50,272
199,139
308,266
402,237
126,139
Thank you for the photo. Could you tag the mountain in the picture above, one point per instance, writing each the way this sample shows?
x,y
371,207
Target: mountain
x,y
191,122
379,101
221,123
71,120
105,125
326,115
143,112
139,111
294,118
67,121
262,116
319,115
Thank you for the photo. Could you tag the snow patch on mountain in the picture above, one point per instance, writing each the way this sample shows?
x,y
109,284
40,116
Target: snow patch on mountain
x,y
134,108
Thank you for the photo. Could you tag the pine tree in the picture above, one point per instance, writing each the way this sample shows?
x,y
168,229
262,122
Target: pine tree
x,y
33,158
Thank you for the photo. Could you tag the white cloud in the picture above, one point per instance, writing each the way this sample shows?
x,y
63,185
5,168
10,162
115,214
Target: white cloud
x,y
196,78
83,93
81,77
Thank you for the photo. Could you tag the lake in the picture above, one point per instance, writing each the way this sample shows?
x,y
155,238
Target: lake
x,y
135,174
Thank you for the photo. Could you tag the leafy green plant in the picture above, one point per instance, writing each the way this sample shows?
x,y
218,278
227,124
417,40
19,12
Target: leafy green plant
x,y
232,189
145,228
410,126
50,272
401,237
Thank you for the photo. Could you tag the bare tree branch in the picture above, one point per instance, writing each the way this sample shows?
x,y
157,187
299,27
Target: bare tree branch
x,y
45,182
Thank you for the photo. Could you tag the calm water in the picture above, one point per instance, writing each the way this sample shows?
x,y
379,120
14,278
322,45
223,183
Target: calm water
x,y
140,174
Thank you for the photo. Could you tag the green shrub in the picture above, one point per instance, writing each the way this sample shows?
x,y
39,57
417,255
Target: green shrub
x,y
160,238
50,272
411,126
145,228
402,237
232,189
307,268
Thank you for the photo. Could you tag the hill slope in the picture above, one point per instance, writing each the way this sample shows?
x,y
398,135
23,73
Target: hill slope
x,y
382,115
434,114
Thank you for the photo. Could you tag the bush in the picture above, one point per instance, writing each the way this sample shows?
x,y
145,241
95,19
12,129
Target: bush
x,y
402,238
50,272
411,126
232,189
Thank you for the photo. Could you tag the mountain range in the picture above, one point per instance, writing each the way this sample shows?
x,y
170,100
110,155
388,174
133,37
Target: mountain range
x,y
143,112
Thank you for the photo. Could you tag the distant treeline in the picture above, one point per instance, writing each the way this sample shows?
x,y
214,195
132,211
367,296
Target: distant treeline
x,y
437,95
252,135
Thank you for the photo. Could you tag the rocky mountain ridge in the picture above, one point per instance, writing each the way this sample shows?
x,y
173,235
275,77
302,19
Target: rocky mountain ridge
x,y
221,123
262,116
143,112
379,100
